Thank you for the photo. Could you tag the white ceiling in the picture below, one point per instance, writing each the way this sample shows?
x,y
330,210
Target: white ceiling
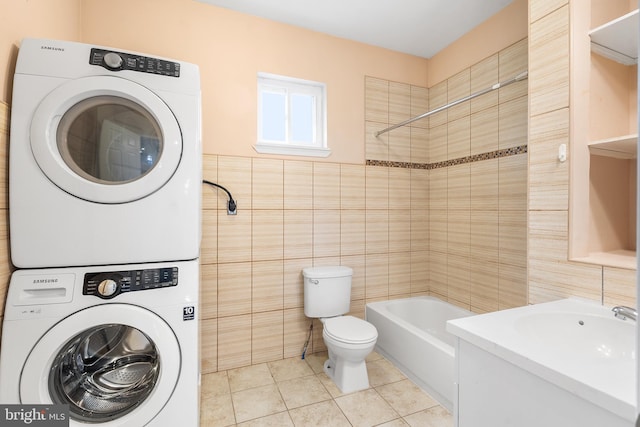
x,y
416,27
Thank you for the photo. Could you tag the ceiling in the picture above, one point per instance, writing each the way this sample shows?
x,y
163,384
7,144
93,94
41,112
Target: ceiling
x,y
416,27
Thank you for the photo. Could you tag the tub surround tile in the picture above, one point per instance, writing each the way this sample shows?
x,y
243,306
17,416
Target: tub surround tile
x,y
419,105
513,61
458,87
376,100
438,98
512,122
484,74
399,102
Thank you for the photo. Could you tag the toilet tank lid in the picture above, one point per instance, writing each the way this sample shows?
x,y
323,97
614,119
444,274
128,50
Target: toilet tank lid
x,y
327,272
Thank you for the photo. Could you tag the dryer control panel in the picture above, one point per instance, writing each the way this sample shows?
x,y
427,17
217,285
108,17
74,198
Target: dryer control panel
x,y
118,61
107,285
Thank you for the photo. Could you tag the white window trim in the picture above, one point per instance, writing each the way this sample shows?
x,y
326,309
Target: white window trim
x,y
319,149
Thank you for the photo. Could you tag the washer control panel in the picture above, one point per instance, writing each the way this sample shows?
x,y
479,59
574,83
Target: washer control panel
x,y
107,285
118,61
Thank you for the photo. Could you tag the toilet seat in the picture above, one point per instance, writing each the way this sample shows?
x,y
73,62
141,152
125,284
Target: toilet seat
x,y
350,330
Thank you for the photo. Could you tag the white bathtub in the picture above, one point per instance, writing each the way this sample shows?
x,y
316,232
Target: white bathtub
x,y
412,335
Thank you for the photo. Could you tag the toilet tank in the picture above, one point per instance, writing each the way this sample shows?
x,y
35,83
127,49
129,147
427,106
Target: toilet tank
x,y
327,291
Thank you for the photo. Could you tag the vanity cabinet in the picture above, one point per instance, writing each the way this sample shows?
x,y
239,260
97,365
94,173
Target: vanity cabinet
x,y
605,137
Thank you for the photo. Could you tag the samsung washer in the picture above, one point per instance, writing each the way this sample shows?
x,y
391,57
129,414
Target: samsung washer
x,y
105,162
119,345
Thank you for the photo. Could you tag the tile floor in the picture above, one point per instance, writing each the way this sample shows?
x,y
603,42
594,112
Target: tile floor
x,y
296,392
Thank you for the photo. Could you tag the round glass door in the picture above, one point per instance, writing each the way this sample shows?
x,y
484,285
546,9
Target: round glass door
x,y
106,139
112,363
104,372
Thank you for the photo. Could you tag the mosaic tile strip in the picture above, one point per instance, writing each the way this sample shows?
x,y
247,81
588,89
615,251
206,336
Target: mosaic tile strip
x,y
506,152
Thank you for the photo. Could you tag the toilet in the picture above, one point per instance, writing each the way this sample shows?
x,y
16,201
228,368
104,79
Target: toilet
x,y
327,296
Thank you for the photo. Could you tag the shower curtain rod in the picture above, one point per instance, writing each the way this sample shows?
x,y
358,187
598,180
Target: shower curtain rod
x,y
523,75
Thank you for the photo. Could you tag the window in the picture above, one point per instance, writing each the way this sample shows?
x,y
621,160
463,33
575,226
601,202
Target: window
x,y
291,116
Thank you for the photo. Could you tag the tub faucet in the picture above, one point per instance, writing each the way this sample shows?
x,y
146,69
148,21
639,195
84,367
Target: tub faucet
x,y
624,313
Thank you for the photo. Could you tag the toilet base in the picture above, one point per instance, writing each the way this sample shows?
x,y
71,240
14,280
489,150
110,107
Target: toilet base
x,y
348,376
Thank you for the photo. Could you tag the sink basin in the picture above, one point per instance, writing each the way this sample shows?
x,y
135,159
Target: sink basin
x,y
579,335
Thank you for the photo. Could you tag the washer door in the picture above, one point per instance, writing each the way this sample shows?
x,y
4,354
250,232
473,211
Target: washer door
x,y
115,364
106,139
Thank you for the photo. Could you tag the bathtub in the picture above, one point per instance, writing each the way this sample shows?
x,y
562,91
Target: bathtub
x,y
412,335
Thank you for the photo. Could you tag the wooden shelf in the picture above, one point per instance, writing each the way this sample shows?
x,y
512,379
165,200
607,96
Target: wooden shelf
x,y
619,259
617,39
623,147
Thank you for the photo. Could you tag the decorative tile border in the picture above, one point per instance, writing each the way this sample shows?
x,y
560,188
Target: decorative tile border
x,y
506,152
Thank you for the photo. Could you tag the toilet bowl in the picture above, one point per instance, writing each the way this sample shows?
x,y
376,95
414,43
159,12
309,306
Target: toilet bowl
x,y
327,296
349,341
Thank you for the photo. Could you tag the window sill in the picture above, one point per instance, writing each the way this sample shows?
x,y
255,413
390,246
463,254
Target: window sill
x,y
289,150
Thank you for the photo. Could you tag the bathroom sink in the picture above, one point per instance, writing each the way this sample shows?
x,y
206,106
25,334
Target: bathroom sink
x,y
579,335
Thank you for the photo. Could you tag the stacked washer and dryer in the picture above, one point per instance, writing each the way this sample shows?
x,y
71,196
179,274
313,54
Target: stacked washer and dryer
x,y
104,203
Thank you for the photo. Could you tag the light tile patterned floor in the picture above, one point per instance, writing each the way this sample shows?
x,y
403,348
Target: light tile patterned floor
x,y
295,392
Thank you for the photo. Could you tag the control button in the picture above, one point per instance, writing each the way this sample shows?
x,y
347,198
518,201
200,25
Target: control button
x,y
112,60
107,287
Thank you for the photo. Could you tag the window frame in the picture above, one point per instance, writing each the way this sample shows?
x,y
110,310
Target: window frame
x,y
291,86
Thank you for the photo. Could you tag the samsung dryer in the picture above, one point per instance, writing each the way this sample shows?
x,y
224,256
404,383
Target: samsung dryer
x,y
105,158
118,344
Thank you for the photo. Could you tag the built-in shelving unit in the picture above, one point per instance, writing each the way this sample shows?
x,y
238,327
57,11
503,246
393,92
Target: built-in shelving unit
x,y
605,194
623,147
618,39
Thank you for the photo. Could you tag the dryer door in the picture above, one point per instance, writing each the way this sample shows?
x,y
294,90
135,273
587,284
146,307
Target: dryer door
x,y
116,364
106,139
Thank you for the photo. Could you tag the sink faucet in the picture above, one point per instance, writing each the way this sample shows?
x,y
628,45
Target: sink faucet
x,y
624,313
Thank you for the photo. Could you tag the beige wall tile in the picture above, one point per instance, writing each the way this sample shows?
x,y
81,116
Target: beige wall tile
x,y
377,231
459,138
548,177
326,233
209,242
298,233
267,336
484,75
267,286
405,233
326,186
438,143
484,238
208,345
513,120
208,291
400,144
399,188
513,61
459,232
541,8
619,286
458,87
267,184
234,342
399,274
438,98
419,145
549,62
234,173
419,105
376,100
295,329
459,280
377,276
420,272
438,237
298,185
293,282
376,147
438,276
512,182
459,187
438,188
352,232
399,102
352,187
484,292
512,232
484,185
234,236
419,189
267,235
484,131
512,286
377,187
234,289
210,195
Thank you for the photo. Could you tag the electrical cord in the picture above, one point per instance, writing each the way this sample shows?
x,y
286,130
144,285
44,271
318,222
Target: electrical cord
x,y
231,204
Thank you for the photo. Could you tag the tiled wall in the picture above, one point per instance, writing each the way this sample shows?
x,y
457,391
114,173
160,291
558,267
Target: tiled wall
x,y
551,275
294,214
475,155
